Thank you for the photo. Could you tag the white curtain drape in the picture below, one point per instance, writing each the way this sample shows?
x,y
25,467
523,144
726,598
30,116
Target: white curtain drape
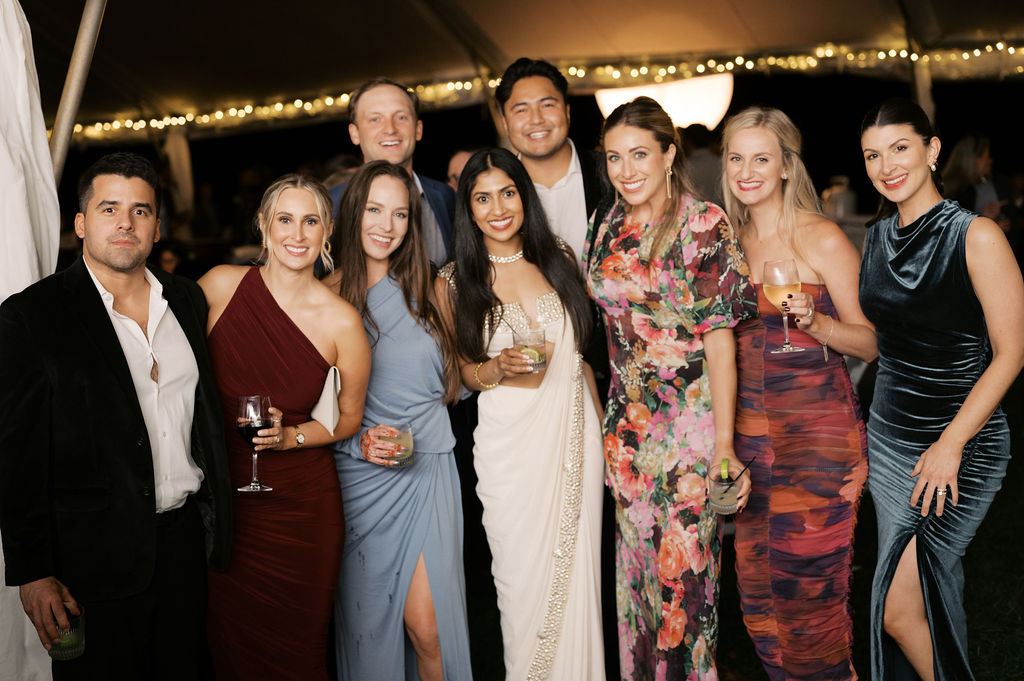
x,y
29,226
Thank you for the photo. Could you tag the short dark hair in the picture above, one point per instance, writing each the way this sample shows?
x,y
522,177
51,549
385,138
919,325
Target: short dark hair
x,y
524,67
125,164
353,100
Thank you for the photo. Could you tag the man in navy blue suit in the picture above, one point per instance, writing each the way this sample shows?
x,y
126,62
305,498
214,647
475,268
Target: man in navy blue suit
x,y
385,125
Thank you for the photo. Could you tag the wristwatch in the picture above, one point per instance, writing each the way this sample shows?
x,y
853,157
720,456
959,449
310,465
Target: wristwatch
x,y
300,439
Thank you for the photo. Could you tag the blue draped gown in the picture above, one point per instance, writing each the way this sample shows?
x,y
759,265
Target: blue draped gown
x,y
394,515
933,347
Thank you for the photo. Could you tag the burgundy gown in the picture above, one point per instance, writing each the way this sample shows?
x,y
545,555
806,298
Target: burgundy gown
x,y
268,614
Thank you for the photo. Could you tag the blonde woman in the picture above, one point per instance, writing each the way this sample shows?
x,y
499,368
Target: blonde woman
x,y
275,330
798,423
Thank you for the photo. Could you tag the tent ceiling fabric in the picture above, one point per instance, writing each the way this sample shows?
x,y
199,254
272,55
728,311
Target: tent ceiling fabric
x,y
158,58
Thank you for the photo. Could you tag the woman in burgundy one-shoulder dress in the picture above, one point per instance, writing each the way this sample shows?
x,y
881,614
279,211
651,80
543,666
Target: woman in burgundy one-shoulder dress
x,y
275,330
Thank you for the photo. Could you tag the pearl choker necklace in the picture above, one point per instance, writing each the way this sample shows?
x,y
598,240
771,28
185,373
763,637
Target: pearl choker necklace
x,y
505,259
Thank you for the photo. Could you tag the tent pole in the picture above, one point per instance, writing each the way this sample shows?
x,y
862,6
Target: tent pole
x,y
923,88
78,71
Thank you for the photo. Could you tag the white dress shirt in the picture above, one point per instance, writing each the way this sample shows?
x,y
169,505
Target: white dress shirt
x,y
168,403
565,205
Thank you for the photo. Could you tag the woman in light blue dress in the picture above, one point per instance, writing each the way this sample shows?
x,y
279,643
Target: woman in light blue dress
x,y
400,610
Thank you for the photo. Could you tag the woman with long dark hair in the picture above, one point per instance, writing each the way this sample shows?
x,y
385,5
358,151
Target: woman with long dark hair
x,y
401,593
538,442
667,272
943,290
798,425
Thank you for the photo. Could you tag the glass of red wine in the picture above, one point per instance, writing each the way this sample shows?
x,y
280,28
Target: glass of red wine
x,y
253,416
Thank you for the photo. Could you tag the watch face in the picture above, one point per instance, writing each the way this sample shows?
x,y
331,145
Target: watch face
x,y
299,437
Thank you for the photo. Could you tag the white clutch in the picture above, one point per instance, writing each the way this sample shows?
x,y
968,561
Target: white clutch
x,y
325,411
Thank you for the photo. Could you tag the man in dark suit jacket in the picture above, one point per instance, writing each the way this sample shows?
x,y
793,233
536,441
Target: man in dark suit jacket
x,y
114,490
386,126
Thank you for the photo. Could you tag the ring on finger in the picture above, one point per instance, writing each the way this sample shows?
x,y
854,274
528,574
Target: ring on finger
x,y
941,492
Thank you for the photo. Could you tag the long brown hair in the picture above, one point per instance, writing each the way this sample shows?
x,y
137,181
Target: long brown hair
x,y
647,114
408,264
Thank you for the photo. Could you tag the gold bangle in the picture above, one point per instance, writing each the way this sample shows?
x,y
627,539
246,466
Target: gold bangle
x,y
476,375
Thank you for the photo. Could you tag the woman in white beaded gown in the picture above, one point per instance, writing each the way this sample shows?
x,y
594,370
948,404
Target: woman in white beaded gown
x,y
538,447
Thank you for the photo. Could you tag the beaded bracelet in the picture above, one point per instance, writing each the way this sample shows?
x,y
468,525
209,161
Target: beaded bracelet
x,y
476,375
824,343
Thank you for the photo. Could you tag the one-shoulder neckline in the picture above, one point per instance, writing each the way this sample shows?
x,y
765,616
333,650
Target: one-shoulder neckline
x,y
255,271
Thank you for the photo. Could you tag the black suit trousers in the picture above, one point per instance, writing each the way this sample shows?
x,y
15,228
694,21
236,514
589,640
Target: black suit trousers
x,y
161,632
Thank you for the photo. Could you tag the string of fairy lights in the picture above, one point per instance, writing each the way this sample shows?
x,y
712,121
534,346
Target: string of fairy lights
x,y
999,59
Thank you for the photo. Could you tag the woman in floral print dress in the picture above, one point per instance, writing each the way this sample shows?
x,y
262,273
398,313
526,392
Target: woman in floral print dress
x,y
668,273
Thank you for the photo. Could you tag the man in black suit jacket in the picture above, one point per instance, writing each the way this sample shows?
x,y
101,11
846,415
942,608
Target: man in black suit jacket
x,y
385,125
114,490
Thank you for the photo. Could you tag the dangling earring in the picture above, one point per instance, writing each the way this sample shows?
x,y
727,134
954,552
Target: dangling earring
x,y
668,182
931,166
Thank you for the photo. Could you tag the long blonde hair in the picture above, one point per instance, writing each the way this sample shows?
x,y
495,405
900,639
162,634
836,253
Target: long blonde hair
x,y
798,194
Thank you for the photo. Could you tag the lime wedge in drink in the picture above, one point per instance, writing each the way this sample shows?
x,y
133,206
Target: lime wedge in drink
x,y
532,353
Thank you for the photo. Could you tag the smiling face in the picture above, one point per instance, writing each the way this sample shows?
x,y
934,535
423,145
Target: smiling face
x,y
385,127
536,118
296,230
897,160
119,225
497,211
636,167
385,218
754,166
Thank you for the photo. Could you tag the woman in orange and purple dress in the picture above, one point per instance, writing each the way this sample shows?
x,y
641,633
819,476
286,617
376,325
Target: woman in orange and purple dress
x,y
798,423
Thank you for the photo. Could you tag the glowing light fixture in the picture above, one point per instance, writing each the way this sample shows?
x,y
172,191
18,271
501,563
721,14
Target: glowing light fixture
x,y
703,99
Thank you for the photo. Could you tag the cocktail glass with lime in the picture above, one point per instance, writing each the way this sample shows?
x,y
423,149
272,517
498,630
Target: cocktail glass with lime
x,y
532,343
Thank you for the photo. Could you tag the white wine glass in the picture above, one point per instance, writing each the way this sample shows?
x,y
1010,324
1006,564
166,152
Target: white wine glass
x,y
253,416
781,279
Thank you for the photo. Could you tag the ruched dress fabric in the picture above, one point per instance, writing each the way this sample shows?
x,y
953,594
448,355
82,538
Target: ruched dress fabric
x,y
659,431
537,456
268,614
933,347
395,515
799,427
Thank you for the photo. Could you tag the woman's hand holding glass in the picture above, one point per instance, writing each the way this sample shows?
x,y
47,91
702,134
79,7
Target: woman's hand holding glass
x,y
801,306
273,437
511,361
736,472
388,446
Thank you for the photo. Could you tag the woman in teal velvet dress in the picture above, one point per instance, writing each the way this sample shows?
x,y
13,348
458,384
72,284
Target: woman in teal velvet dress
x,y
400,611
945,294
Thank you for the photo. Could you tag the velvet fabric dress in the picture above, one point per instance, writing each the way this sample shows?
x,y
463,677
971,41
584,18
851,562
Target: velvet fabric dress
x,y
933,347
659,433
798,426
395,515
268,614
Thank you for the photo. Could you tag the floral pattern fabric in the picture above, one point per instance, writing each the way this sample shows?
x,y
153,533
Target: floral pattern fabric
x,y
659,430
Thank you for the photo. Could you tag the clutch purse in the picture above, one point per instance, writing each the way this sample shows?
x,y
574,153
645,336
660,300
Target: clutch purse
x,y
325,411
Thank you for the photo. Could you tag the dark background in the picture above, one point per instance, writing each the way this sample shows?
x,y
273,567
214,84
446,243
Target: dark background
x,y
827,109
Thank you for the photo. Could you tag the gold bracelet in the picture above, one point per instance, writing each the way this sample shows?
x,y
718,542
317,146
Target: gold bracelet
x,y
476,375
824,343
